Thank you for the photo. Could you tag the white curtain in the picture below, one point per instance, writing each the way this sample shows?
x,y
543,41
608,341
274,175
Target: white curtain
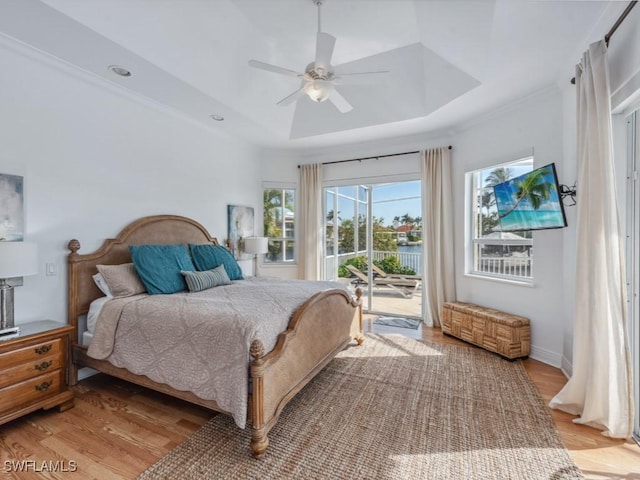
x,y
437,242
310,223
600,389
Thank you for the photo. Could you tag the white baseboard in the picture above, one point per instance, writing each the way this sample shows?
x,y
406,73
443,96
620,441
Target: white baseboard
x,y
546,356
566,367
553,359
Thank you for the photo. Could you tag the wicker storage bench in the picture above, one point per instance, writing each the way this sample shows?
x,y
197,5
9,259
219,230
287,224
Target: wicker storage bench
x,y
505,334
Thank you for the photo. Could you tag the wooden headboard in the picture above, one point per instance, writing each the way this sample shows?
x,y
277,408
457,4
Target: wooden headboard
x,y
156,229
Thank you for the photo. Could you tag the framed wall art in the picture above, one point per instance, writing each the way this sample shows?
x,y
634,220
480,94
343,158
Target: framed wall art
x,y
240,226
12,212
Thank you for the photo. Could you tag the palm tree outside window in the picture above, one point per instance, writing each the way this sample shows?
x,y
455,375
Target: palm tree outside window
x,y
279,224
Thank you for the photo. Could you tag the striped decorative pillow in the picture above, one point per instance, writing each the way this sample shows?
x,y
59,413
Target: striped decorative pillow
x,y
198,281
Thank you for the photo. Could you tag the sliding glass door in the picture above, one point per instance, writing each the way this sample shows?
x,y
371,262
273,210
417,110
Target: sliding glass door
x,y
346,230
374,241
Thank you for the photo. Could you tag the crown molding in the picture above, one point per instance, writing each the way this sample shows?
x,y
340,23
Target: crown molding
x,y
53,62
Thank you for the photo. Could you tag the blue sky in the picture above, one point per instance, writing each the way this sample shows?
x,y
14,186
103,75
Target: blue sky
x,y
396,199
389,201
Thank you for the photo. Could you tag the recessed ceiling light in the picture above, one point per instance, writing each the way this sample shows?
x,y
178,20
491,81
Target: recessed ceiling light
x,y
123,72
217,118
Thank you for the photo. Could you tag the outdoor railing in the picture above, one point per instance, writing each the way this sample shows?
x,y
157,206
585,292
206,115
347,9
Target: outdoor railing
x,y
412,260
511,266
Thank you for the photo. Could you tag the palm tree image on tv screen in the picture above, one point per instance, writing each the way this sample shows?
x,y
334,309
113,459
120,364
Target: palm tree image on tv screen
x,y
530,201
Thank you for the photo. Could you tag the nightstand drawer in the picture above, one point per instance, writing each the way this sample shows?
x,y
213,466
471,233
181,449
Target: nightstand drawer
x,y
32,353
31,369
31,391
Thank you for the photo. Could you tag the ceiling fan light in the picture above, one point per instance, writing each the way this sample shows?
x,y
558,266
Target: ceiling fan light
x,y
318,90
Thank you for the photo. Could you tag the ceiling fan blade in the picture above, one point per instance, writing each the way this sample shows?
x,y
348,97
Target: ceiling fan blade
x,y
324,50
358,78
274,68
289,99
340,102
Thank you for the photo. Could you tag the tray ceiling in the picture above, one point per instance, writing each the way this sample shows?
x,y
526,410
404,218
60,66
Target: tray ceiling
x,y
448,61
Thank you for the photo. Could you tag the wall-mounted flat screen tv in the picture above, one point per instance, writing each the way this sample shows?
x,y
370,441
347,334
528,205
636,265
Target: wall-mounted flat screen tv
x,y
530,201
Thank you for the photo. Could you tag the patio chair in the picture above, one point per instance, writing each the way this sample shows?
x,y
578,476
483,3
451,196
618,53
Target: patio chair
x,y
382,274
404,286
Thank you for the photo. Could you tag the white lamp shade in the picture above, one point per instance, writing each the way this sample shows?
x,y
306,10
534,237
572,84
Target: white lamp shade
x,y
256,245
18,259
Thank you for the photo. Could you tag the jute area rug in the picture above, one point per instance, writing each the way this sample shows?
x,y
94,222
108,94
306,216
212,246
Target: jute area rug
x,y
393,408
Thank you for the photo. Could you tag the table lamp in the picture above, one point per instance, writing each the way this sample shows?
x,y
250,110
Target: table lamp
x,y
256,246
17,259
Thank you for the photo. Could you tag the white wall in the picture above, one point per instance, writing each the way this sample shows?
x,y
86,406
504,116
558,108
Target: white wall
x,y
536,124
569,239
94,159
624,66
624,61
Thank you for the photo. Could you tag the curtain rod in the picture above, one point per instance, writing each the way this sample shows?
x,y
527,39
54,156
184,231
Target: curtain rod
x,y
372,158
607,37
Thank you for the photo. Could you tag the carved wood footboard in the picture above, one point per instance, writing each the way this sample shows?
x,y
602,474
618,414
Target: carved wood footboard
x,y
319,329
317,332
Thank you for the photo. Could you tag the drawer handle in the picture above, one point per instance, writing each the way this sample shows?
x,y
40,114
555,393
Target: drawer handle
x,y
44,365
44,386
43,349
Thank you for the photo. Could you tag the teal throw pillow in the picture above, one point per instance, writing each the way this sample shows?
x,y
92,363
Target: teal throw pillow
x,y
198,281
207,257
159,267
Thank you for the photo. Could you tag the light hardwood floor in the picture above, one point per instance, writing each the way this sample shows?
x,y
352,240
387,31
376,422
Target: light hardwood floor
x,y
116,429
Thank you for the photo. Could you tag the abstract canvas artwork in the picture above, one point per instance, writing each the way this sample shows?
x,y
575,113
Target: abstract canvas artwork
x,y
240,226
12,212
11,208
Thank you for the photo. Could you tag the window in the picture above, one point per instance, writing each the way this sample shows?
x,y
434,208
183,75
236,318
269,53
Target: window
x,y
495,253
279,224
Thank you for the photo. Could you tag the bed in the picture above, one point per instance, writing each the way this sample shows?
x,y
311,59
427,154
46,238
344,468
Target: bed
x,y
326,318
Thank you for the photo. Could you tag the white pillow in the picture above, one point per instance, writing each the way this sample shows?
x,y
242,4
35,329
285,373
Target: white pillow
x,y
94,312
102,285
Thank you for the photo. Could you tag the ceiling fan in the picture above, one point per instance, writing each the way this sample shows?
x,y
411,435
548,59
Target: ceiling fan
x,y
319,79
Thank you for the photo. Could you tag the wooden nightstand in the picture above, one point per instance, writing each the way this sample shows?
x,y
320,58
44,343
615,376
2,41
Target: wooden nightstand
x,y
33,369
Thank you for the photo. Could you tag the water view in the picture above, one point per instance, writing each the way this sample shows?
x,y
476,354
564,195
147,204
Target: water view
x,y
411,256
